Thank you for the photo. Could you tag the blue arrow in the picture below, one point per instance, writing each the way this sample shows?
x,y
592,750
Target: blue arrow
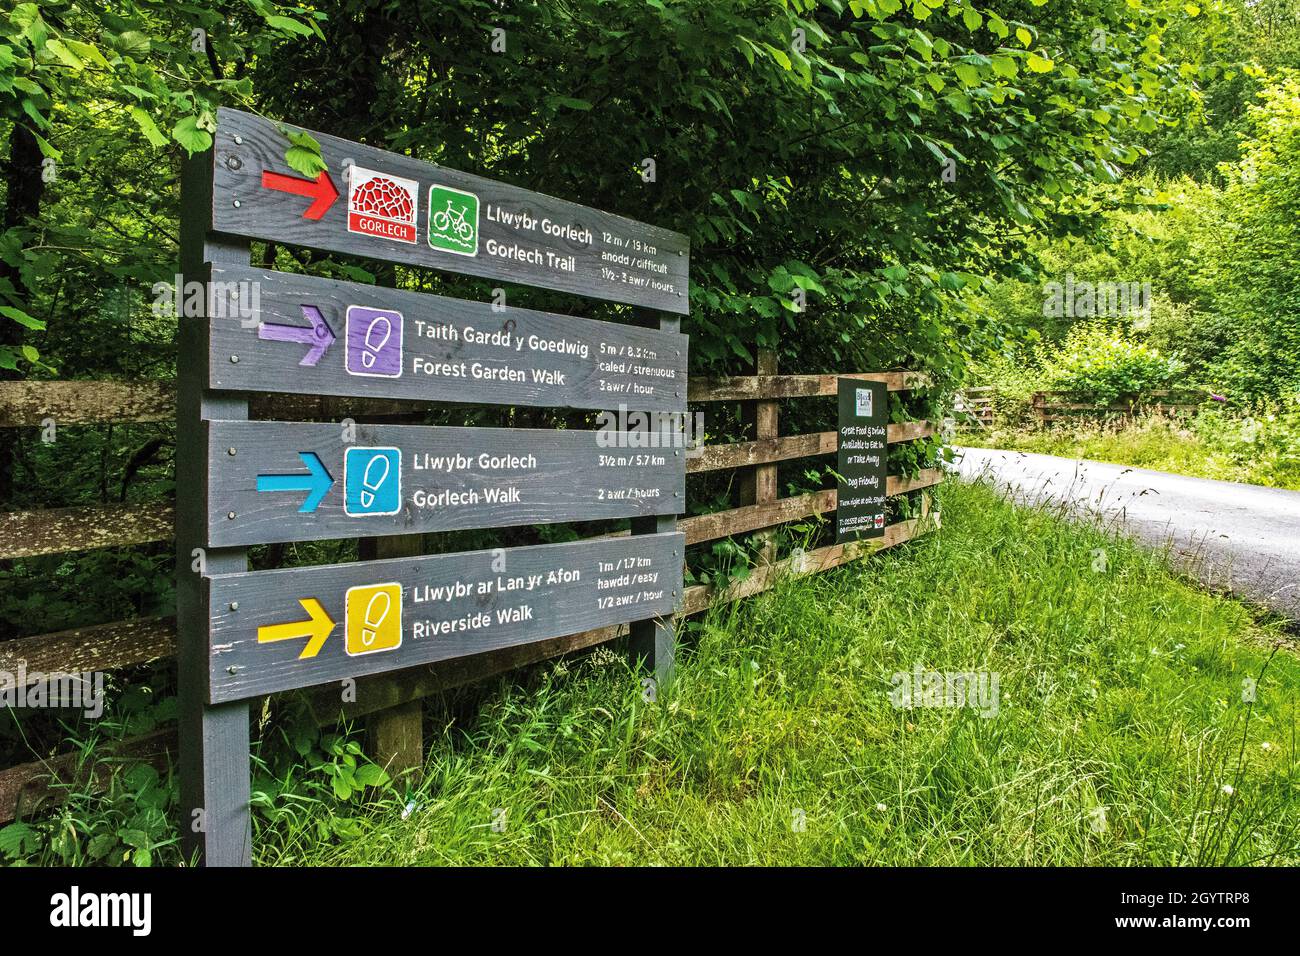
x,y
317,484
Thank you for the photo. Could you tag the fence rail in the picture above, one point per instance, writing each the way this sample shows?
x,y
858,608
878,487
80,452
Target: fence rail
x,y
1059,406
120,644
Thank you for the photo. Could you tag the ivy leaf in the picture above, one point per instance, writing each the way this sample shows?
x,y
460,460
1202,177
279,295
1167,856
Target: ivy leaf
x,y
288,25
22,318
15,838
303,155
371,775
188,133
66,56
132,43
151,131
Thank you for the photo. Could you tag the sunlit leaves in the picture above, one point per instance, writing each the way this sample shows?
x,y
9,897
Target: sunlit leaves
x,y
303,154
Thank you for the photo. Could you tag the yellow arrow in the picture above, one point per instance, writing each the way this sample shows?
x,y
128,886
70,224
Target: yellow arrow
x,y
317,627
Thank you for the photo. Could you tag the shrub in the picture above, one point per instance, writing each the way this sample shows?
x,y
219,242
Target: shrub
x,y
1103,363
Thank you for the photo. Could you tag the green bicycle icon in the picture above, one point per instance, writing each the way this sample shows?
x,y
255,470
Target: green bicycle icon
x,y
453,217
453,220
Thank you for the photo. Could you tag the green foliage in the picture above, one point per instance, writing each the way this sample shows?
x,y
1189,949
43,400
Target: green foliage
x,y
1231,50
72,72
1097,363
1102,363
1255,282
303,776
814,169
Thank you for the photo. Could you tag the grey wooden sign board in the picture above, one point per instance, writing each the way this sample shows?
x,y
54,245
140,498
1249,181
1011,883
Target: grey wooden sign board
x,y
294,481
243,634
277,332
297,627
863,464
383,205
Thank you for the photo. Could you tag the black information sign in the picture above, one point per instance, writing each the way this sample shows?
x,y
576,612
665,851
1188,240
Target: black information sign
x,y
863,459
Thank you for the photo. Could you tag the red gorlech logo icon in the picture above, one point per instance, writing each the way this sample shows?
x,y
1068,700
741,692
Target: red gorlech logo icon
x,y
380,204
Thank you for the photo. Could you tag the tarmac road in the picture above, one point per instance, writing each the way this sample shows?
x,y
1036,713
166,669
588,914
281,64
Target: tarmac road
x,y
1235,537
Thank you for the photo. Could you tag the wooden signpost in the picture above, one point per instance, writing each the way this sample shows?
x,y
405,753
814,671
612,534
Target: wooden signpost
x,y
244,634
339,338
277,630
291,481
383,205
863,459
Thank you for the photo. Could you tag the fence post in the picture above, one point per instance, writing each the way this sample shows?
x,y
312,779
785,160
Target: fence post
x,y
758,486
396,734
215,766
653,643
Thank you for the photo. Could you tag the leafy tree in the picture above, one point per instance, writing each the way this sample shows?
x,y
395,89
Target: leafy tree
x,y
86,93
1254,275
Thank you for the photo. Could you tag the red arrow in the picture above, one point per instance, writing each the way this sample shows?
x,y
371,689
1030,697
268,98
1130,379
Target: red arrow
x,y
321,190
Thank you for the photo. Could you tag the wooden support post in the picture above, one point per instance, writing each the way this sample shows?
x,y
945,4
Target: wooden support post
x,y
396,734
759,485
216,774
652,643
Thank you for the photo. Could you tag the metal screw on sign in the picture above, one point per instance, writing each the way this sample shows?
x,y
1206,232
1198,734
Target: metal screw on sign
x,y
233,162
235,204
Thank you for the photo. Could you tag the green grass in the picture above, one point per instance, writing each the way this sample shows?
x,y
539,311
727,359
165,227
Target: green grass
x,y
1122,720
1158,444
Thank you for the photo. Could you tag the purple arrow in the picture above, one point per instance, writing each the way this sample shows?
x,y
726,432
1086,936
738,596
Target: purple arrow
x,y
320,336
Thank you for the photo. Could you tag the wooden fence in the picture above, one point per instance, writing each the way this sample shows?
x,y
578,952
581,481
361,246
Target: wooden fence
x,y
975,406
1050,407
391,701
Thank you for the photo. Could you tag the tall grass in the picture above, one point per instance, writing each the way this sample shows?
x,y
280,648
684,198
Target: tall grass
x,y
1260,450
1125,733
